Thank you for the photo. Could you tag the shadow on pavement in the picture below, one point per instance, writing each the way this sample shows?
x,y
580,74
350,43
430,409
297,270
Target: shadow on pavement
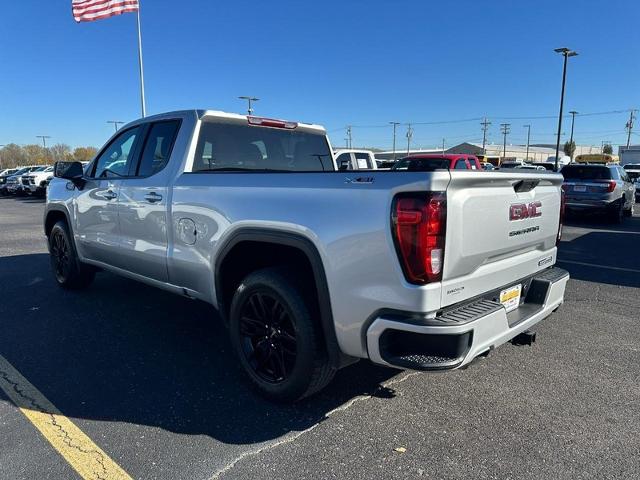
x,y
606,253
124,352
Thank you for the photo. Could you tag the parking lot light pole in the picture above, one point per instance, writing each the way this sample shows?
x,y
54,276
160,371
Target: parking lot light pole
x,y
115,123
249,100
44,139
395,124
528,127
573,119
566,53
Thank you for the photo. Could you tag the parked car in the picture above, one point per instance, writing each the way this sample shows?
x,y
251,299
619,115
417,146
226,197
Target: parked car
x,y
349,159
310,268
428,162
528,166
34,183
548,165
599,188
487,166
633,170
3,179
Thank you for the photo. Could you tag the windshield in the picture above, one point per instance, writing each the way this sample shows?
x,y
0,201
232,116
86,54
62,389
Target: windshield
x,y
421,164
576,172
234,147
40,169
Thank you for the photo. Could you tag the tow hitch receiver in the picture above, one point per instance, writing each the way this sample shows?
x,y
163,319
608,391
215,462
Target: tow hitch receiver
x,y
525,338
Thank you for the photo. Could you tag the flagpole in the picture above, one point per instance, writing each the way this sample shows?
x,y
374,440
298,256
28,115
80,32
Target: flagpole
x,y
144,109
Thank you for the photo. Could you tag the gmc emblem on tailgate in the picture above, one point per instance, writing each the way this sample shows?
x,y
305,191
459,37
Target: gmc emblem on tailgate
x,y
520,211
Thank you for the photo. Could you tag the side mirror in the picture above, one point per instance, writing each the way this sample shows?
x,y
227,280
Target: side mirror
x,y
70,171
344,165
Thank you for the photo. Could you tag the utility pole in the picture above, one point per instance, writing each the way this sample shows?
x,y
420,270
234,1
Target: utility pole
x,y
349,138
629,126
249,100
395,124
409,135
505,128
528,127
115,123
485,127
44,139
566,53
443,146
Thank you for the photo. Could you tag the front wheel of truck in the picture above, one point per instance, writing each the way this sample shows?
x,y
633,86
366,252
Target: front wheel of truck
x,y
276,337
67,269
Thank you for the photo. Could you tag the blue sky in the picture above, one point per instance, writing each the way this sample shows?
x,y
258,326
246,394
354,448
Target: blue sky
x,y
335,63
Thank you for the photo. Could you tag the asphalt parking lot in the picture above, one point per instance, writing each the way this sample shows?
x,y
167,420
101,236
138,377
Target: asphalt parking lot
x,y
149,378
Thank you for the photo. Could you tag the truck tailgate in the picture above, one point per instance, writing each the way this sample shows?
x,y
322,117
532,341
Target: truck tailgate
x,y
501,227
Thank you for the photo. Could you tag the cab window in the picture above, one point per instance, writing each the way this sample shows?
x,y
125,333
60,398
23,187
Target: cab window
x,y
461,164
158,147
116,159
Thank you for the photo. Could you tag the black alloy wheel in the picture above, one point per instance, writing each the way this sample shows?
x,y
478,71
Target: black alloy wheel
x,y
60,256
268,337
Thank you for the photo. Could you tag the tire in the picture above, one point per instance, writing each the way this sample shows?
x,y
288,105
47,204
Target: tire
x,y
276,338
629,212
67,269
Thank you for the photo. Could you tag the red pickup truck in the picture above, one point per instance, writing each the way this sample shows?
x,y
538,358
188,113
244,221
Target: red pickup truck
x,y
433,161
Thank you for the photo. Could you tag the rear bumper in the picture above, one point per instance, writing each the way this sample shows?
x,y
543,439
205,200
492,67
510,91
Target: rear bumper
x,y
458,336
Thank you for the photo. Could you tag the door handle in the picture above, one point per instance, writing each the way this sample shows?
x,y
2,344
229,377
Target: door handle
x,y
109,194
152,197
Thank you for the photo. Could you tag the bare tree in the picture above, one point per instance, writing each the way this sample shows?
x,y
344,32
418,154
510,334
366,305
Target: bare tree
x,y
60,152
12,155
35,154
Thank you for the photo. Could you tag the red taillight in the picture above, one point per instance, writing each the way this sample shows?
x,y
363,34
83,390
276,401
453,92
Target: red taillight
x,y
607,186
561,221
419,224
270,122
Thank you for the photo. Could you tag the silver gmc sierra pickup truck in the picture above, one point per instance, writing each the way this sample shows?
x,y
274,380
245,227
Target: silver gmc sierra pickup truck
x,y
311,268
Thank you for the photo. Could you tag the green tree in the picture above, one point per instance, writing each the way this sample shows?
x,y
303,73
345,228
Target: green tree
x,y
569,148
607,149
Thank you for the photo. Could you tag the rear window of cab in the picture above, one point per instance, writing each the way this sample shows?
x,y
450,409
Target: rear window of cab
x,y
576,172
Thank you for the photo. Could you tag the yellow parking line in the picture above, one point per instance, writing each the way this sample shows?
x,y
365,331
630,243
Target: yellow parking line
x,y
76,448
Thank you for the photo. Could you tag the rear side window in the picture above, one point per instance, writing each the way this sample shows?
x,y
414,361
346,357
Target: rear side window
x,y
230,147
363,161
576,172
158,147
461,164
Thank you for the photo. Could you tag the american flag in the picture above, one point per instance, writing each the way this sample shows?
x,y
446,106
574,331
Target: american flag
x,y
90,10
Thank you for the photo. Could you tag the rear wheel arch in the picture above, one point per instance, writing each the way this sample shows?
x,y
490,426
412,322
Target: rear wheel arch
x,y
251,249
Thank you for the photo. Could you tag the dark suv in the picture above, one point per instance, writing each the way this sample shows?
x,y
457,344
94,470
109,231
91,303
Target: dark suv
x,y
604,188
